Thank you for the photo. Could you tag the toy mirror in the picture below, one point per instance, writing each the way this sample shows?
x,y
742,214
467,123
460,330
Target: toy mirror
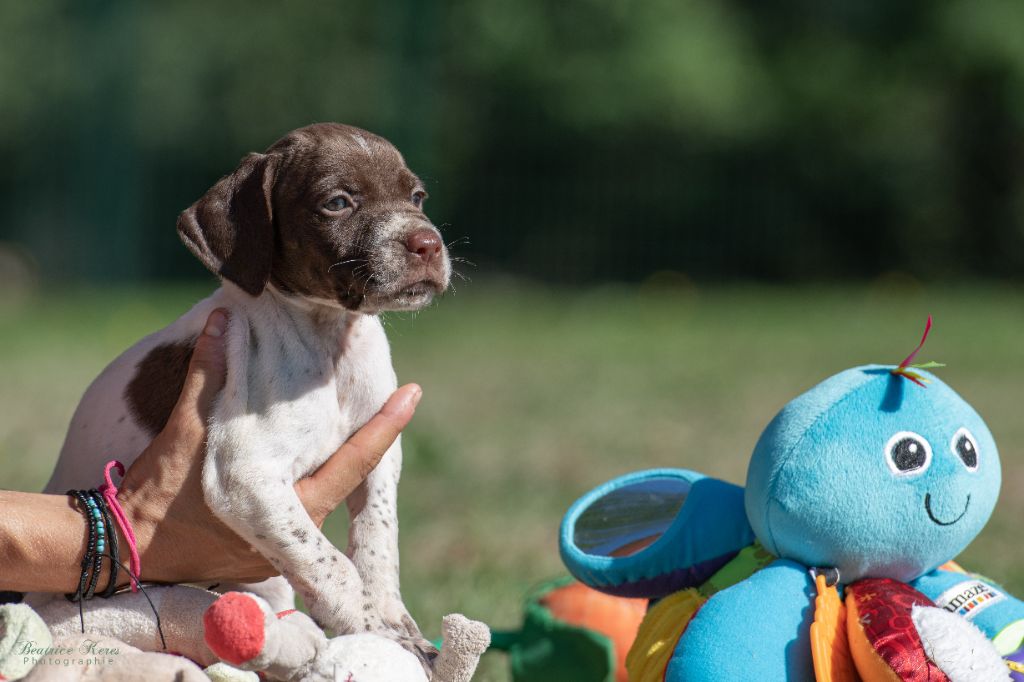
x,y
650,533
627,519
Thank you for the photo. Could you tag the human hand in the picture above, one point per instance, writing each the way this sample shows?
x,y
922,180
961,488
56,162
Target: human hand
x,y
178,537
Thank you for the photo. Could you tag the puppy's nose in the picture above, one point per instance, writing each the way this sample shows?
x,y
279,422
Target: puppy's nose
x,y
425,244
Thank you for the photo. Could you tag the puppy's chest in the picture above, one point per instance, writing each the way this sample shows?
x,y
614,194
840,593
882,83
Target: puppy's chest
x,y
311,396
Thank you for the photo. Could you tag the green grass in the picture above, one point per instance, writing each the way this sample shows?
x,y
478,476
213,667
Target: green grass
x,y
534,396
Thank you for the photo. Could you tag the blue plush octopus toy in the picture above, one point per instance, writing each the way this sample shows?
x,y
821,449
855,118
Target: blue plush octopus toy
x,y
833,564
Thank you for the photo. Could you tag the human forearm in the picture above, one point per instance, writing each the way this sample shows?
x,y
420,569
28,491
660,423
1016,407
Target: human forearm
x,y
42,542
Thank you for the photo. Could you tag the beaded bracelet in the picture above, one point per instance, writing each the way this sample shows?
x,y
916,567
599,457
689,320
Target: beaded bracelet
x,y
102,536
94,548
113,555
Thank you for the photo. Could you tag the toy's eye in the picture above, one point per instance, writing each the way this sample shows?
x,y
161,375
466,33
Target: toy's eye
x,y
908,454
966,448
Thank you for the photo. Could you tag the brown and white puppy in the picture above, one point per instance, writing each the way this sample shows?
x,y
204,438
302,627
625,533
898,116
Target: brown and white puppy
x,y
311,240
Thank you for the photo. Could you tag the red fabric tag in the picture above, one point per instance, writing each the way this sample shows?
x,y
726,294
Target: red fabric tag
x,y
884,606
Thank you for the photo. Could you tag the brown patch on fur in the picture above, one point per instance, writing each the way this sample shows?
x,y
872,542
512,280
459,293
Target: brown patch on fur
x,y
230,230
159,378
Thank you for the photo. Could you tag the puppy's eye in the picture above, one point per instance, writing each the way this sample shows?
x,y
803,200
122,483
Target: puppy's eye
x,y
966,448
418,198
908,454
338,203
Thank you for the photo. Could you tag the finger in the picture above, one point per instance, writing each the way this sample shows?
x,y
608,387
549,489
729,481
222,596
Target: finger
x,y
206,370
335,480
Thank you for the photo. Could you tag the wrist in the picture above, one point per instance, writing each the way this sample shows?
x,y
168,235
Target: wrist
x,y
158,561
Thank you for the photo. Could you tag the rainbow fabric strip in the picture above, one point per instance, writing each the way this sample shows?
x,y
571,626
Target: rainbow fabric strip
x,y
905,368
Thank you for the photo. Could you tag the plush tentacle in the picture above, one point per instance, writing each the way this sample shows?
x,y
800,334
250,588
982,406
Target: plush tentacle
x,y
756,629
986,604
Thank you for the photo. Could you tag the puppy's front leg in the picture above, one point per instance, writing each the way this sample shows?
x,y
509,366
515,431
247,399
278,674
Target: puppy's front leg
x,y
258,503
373,540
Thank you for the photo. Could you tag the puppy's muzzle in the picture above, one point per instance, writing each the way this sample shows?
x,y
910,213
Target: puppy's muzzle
x,y
407,270
426,259
424,244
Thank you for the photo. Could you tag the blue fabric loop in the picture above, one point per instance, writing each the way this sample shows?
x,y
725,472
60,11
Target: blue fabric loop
x,y
708,531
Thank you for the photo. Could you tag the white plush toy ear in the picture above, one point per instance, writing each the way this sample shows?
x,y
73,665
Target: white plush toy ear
x,y
957,647
465,641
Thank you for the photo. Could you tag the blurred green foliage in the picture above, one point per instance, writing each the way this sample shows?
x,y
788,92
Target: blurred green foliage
x,y
576,141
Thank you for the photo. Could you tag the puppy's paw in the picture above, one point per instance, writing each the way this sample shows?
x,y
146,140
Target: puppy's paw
x,y
423,650
403,629
408,627
397,619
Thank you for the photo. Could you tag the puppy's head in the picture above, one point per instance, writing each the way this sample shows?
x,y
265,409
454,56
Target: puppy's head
x,y
330,213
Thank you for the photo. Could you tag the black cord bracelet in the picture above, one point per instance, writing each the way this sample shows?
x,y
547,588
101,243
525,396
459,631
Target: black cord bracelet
x,y
98,548
87,559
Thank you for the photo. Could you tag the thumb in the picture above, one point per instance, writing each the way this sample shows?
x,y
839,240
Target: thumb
x,y
206,371
349,466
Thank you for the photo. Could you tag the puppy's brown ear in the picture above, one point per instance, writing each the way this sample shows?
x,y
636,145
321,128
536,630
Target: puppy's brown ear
x,y
231,229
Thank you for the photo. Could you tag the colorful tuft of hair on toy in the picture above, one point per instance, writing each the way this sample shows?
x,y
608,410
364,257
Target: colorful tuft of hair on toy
x,y
905,368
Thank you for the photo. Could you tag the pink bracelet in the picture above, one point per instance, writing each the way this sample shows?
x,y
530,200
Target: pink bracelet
x,y
109,492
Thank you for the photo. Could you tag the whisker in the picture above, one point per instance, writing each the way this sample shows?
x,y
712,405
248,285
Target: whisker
x,y
345,262
455,242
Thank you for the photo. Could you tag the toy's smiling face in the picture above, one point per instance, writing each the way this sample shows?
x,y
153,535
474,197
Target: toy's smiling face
x,y
874,475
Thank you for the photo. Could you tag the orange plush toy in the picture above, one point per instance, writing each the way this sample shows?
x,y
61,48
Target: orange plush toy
x,y
617,618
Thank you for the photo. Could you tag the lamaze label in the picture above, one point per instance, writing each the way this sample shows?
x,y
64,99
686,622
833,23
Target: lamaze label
x,y
970,598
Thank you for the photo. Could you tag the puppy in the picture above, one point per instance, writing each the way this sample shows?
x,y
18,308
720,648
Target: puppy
x,y
311,240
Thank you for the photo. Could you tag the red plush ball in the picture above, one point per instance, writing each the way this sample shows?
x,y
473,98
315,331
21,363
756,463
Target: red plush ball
x,y
234,628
